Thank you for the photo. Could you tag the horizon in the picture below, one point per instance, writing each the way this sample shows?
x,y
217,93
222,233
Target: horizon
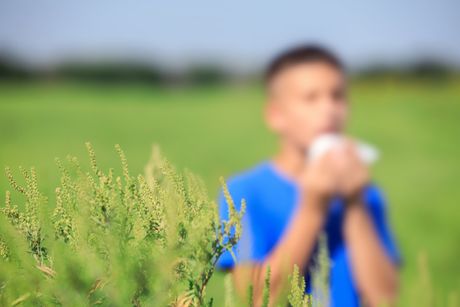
x,y
241,37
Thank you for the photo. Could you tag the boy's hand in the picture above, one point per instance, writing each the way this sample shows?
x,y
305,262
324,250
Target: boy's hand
x,y
339,172
319,182
352,173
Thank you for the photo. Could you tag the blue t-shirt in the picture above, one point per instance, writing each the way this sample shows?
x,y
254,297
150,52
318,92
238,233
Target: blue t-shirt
x,y
271,200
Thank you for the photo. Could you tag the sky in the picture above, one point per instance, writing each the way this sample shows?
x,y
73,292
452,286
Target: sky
x,y
241,34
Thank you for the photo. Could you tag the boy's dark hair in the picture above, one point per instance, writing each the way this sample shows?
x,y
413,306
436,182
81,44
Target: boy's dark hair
x,y
299,55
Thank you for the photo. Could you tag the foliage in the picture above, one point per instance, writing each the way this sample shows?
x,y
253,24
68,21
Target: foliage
x,y
320,274
320,280
112,239
266,290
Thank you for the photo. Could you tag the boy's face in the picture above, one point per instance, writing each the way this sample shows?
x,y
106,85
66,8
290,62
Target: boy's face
x,y
306,100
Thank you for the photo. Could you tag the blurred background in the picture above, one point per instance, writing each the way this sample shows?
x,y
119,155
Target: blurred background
x,y
186,76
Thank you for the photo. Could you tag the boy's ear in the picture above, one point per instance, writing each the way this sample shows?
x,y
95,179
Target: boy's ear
x,y
273,116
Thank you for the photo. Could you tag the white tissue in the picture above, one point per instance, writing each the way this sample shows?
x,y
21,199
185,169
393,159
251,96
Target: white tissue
x,y
322,144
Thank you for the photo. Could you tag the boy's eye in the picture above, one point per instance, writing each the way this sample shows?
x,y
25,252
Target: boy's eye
x,y
338,95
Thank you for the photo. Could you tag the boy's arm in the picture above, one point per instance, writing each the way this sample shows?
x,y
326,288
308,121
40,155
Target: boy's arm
x,y
376,275
295,247
298,241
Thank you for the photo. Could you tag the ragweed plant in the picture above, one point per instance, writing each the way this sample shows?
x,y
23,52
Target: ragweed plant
x,y
297,296
111,238
320,274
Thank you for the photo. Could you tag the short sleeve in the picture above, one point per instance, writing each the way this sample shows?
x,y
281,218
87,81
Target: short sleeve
x,y
377,206
242,251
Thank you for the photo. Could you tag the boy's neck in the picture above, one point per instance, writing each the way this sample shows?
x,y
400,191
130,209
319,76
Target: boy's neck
x,y
290,160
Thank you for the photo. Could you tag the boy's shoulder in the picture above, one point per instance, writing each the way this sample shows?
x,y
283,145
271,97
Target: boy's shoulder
x,y
249,177
247,183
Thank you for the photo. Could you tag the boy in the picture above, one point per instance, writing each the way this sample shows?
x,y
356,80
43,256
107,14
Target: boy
x,y
291,201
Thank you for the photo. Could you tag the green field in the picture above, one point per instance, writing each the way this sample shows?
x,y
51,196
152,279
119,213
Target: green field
x,y
219,131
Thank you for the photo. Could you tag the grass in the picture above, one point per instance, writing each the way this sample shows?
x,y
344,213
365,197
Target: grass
x,y
220,131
